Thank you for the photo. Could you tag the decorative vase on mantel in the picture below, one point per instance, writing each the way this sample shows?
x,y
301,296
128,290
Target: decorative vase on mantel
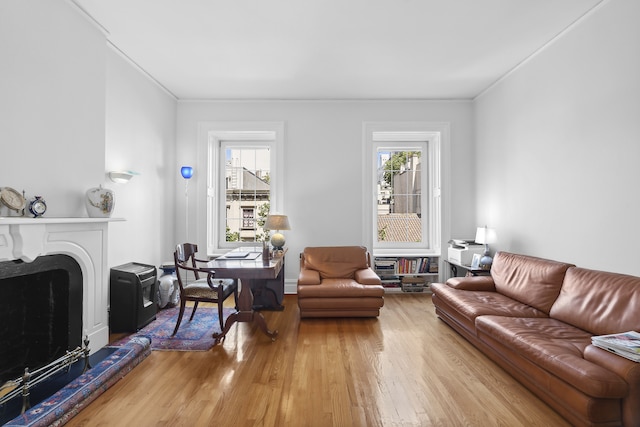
x,y
100,202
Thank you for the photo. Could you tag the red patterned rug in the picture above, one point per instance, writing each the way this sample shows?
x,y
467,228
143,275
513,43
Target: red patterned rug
x,y
195,335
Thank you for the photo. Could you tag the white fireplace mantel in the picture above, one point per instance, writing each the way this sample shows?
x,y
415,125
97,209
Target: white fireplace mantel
x,y
83,239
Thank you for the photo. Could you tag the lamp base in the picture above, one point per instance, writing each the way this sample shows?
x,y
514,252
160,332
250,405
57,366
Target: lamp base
x,y
485,262
277,241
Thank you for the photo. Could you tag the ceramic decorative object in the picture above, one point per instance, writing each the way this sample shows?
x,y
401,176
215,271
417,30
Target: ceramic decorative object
x,y
100,202
14,201
37,206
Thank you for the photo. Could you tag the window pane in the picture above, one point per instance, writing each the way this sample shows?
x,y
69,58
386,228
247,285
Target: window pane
x,y
399,196
247,192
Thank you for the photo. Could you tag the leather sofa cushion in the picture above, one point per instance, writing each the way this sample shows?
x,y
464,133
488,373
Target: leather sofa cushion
x,y
336,261
557,348
530,280
468,305
599,302
339,288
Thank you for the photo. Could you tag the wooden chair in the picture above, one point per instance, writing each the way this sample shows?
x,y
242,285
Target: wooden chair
x,y
207,289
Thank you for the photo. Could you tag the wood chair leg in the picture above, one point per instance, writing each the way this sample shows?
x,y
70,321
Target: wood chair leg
x,y
195,306
182,304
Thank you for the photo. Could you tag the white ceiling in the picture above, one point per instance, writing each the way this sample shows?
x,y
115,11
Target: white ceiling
x,y
331,49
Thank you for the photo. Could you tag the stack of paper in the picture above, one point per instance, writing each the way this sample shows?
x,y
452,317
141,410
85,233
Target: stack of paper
x,y
625,344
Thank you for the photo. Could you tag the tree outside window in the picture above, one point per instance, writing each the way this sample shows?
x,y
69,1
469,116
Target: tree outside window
x,y
399,196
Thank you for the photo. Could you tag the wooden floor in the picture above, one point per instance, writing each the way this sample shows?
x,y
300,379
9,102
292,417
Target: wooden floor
x,y
406,368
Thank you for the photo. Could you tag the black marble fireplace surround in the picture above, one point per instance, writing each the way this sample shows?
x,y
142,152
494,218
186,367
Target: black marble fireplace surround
x,y
40,312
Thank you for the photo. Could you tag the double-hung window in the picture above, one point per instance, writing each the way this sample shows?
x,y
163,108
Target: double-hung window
x,y
247,192
402,173
401,209
244,181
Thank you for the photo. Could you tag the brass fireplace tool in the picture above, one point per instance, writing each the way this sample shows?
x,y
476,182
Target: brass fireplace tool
x,y
23,384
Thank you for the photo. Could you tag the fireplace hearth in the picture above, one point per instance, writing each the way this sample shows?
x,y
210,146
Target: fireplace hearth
x,y
40,312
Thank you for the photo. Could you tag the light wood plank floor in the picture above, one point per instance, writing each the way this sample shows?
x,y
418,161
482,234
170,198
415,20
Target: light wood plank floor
x,y
406,368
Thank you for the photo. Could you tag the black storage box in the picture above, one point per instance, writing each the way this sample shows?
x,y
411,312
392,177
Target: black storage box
x,y
132,288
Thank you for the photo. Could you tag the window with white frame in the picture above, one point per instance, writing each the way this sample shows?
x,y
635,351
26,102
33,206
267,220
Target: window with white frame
x,y
399,200
243,181
247,194
403,174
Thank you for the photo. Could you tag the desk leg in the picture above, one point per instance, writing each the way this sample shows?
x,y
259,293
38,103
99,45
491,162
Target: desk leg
x,y
245,313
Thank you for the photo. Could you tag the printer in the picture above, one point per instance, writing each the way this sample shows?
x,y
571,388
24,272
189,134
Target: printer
x,y
461,252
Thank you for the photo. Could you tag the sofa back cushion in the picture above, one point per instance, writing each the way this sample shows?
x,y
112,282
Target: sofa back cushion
x,y
334,262
599,302
530,280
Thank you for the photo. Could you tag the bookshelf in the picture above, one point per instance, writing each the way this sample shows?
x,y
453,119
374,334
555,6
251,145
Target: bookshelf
x,y
407,273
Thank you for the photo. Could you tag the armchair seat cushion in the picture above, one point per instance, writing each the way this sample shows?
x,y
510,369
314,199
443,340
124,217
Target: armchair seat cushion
x,y
344,288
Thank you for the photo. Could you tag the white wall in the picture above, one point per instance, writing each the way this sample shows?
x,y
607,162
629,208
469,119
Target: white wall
x,y
72,109
558,149
323,166
140,136
52,69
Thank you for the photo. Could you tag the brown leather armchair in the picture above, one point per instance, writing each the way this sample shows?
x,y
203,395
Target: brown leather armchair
x,y
337,281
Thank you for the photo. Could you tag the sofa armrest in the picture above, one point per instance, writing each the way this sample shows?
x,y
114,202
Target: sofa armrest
x,y
367,276
472,283
308,277
627,369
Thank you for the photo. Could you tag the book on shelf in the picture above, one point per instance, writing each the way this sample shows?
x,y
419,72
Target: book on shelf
x,y
395,284
625,344
417,265
405,265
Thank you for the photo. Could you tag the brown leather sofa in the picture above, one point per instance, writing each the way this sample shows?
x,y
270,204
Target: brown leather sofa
x,y
535,318
337,281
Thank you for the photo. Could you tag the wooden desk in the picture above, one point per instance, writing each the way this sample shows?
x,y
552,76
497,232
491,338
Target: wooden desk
x,y
247,271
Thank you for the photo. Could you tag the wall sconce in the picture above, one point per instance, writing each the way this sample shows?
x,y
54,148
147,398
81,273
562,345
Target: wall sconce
x,y
121,177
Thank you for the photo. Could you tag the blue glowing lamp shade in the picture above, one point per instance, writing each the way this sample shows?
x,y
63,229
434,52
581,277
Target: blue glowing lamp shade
x,y
186,172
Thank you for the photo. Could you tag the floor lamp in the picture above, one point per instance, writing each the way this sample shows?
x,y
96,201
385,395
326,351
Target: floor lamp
x,y
187,173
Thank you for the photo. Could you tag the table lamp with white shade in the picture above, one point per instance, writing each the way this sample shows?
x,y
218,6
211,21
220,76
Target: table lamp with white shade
x,y
485,236
277,223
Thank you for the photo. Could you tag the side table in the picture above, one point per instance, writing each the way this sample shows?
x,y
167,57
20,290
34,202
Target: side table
x,y
459,270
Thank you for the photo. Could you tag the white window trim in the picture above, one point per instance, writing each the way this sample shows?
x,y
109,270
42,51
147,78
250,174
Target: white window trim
x,y
219,144
438,136
210,137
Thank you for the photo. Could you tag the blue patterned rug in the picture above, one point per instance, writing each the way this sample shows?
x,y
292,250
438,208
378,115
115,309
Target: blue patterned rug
x,y
195,335
71,399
